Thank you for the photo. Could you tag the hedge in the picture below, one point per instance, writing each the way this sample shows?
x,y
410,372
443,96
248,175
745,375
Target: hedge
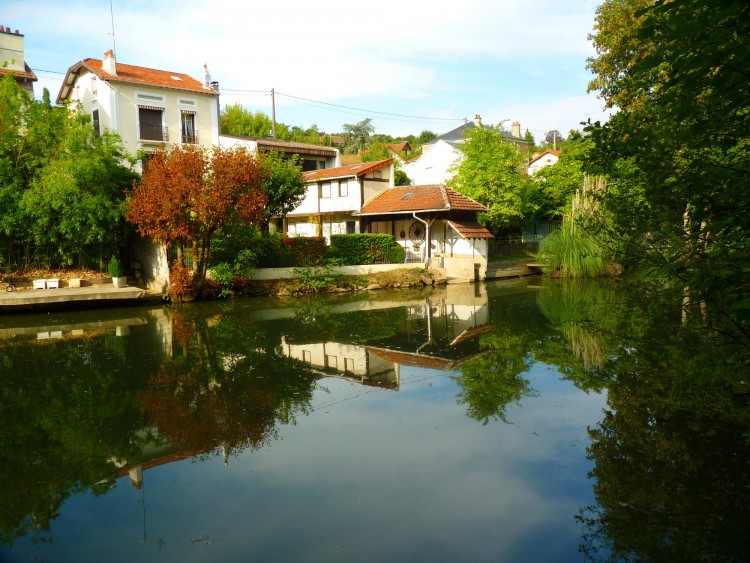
x,y
307,250
366,248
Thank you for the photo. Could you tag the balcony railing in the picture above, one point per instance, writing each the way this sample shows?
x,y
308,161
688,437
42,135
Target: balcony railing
x,y
154,133
189,137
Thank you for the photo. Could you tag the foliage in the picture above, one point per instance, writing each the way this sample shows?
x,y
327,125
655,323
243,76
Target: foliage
x,y
376,153
400,178
61,184
187,194
676,151
556,184
181,282
573,250
366,248
552,139
314,278
306,250
114,267
358,136
283,185
492,172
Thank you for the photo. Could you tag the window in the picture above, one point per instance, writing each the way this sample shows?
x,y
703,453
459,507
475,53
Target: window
x,y
325,190
349,365
150,124
306,356
95,122
351,227
187,123
343,188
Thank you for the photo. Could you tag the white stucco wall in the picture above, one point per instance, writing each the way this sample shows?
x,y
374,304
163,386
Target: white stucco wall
x,y
118,110
433,167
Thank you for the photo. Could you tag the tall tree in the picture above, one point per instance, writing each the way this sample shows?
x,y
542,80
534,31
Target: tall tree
x,y
677,150
358,136
283,185
61,184
492,172
188,193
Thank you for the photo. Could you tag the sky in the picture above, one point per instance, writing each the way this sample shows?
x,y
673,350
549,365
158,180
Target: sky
x,y
408,66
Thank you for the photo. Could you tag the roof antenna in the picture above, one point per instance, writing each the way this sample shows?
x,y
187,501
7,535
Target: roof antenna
x,y
112,17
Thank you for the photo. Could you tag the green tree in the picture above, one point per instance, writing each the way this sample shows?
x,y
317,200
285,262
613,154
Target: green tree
x,y
61,184
492,172
556,184
676,151
283,185
376,152
358,136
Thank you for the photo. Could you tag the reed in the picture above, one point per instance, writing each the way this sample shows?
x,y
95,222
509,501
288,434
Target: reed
x,y
572,251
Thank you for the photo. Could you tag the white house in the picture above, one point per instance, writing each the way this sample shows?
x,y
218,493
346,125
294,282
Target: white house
x,y
147,107
440,155
13,61
435,225
334,195
541,159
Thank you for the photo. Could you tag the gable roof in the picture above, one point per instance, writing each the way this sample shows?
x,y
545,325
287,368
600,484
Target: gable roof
x,y
469,229
436,197
458,135
133,75
538,155
351,171
403,146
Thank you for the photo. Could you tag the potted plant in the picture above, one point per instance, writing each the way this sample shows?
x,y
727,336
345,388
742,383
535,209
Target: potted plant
x,y
114,268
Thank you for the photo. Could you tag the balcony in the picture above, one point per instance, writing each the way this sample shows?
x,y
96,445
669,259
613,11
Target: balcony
x,y
189,136
154,133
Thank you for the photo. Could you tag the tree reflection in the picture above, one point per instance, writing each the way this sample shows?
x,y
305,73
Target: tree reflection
x,y
227,386
672,454
66,409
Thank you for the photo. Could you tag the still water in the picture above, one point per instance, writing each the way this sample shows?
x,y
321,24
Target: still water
x,y
528,420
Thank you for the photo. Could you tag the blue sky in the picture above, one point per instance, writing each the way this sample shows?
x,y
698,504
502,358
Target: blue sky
x,y
408,66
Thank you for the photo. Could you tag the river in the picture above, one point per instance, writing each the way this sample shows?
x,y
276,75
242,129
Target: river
x,y
521,420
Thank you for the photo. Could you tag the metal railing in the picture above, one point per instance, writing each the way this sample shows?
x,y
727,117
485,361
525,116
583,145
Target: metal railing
x,y
154,133
189,137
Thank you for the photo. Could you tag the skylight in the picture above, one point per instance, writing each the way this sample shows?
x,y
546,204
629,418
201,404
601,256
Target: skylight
x,y
406,196
176,78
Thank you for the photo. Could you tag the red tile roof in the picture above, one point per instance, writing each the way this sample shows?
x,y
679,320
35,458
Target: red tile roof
x,y
537,155
469,229
26,73
436,197
350,171
134,75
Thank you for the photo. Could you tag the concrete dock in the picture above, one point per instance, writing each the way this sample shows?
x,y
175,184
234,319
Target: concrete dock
x,y
72,298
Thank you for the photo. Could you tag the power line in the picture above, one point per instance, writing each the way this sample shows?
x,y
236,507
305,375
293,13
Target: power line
x,y
371,111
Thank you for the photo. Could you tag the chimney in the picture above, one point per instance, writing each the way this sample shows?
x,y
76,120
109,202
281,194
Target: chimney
x,y
477,120
206,76
108,64
515,129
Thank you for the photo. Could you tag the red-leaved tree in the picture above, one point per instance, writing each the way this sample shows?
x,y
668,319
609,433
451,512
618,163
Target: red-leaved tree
x,y
188,193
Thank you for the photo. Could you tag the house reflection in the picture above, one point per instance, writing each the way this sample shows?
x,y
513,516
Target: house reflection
x,y
440,332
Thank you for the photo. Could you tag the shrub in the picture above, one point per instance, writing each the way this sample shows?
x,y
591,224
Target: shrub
x,y
306,250
180,281
366,248
114,268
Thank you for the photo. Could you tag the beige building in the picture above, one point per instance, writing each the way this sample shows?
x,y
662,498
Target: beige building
x,y
147,107
12,59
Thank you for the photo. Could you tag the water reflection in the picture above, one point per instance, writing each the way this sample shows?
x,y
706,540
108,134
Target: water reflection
x,y
100,395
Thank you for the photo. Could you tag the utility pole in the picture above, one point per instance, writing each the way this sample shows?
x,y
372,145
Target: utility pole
x,y
273,113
